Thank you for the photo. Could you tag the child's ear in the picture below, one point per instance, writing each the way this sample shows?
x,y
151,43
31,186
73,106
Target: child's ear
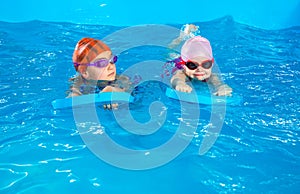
x,y
184,68
84,74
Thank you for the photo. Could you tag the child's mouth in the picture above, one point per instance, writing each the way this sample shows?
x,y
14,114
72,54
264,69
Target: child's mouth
x,y
111,74
199,74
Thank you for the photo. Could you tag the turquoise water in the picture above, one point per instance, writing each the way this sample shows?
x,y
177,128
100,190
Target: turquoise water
x,y
260,13
257,149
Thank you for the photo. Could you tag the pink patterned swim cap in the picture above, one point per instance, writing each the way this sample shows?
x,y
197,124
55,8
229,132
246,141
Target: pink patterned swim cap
x,y
196,47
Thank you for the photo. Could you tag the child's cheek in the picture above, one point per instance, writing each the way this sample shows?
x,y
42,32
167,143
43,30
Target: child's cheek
x,y
189,73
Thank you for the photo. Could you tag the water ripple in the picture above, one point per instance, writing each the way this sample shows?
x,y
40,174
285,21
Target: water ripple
x,y
257,150
11,178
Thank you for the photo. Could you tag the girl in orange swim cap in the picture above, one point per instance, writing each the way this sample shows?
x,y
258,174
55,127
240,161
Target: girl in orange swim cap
x,y
95,64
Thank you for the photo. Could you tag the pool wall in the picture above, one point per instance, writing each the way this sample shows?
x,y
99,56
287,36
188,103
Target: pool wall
x,y
265,14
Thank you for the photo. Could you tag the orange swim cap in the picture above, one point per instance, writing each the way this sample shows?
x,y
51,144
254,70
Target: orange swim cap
x,y
86,50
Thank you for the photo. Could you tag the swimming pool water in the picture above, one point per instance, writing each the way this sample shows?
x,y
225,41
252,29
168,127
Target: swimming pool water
x,y
257,149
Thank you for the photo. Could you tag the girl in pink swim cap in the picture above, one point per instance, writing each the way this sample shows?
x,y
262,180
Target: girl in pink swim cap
x,y
195,63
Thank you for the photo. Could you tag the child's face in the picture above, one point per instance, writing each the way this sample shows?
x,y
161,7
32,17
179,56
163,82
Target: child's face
x,y
200,73
104,73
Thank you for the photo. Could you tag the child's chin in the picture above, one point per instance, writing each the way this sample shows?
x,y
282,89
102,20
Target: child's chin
x,y
110,78
200,78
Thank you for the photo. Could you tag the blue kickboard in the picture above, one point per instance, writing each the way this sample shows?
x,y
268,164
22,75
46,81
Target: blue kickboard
x,y
206,98
102,97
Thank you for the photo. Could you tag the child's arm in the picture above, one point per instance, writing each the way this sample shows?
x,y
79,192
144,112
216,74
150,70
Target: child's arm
x,y
187,32
73,92
178,82
221,89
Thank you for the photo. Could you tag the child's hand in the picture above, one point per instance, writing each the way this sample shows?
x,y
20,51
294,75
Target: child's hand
x,y
112,89
183,87
188,31
110,106
223,90
190,28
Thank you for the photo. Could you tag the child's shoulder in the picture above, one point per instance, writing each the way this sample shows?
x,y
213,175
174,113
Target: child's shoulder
x,y
122,77
74,89
76,79
123,82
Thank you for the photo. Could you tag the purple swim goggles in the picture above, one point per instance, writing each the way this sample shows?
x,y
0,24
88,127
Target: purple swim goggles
x,y
101,63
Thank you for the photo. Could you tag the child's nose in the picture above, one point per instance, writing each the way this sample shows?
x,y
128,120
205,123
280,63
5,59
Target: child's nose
x,y
110,66
200,68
